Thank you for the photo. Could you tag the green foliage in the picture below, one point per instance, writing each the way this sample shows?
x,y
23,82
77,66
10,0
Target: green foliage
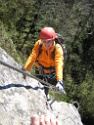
x,y
7,44
84,94
59,97
81,28
86,99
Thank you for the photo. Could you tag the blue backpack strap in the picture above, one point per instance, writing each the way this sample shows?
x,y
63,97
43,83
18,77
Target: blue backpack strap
x,y
53,53
40,49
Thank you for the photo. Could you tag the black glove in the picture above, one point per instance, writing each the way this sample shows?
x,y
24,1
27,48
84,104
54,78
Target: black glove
x,y
24,76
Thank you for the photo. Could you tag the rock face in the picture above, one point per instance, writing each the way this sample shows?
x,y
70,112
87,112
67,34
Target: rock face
x,y
20,99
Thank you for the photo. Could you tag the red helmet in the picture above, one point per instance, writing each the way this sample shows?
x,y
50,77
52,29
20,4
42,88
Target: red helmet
x,y
47,33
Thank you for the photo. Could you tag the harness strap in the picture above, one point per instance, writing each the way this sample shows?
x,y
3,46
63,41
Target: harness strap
x,y
47,68
40,49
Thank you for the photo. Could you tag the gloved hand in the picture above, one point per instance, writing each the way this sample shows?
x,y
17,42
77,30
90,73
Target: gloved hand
x,y
60,86
24,76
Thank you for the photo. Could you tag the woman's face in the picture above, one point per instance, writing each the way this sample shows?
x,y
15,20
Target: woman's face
x,y
47,44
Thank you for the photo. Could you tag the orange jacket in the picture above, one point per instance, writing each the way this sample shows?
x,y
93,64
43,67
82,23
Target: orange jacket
x,y
45,59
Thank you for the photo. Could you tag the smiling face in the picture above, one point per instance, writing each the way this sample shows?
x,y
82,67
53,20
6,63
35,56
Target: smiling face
x,y
48,43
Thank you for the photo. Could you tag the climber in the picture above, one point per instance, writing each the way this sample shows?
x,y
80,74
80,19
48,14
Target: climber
x,y
44,62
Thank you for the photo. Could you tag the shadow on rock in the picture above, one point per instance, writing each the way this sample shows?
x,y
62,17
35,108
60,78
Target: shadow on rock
x,y
20,85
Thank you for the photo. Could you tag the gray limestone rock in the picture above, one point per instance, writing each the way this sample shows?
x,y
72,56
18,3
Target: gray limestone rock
x,y
20,99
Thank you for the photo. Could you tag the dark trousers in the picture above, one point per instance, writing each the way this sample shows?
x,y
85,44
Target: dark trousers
x,y
50,78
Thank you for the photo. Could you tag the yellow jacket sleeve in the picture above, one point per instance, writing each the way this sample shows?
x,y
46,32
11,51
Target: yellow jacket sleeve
x,y
31,59
59,62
